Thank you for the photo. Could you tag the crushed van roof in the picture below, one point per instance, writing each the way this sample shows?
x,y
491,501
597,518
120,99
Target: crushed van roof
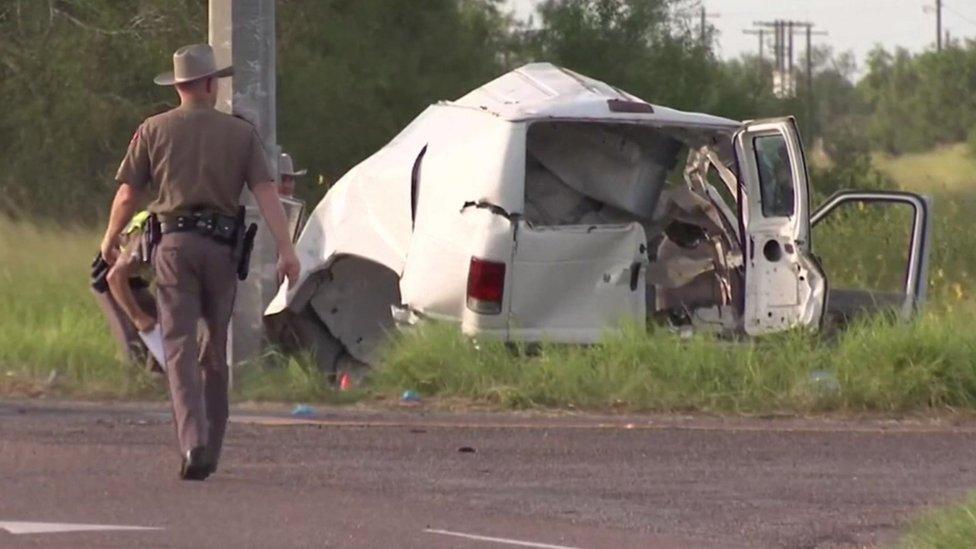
x,y
543,90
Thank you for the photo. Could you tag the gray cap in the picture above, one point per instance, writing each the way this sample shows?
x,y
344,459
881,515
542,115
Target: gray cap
x,y
192,63
287,167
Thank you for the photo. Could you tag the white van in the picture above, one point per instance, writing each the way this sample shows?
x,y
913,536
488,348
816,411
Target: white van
x,y
546,205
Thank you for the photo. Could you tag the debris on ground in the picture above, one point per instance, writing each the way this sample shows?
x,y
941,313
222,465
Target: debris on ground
x,y
825,382
303,410
410,398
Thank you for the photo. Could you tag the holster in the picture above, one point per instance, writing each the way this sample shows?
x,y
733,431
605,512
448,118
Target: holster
x,y
151,237
244,244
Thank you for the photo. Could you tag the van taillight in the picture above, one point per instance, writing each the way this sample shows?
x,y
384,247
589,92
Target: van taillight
x,y
486,286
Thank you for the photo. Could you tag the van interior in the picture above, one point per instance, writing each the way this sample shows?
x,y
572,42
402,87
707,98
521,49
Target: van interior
x,y
586,173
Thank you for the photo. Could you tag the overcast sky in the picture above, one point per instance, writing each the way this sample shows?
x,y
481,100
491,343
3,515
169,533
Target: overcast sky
x,y
855,25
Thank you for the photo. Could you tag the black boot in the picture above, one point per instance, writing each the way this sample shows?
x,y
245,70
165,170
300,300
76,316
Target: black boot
x,y
195,466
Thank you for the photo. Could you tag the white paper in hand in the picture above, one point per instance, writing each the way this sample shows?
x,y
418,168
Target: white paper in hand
x,y
154,342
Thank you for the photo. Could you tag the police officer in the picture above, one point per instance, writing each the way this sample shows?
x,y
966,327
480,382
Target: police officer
x,y
198,160
287,175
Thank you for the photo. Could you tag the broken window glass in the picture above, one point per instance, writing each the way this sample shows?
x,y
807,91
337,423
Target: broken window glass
x,y
775,176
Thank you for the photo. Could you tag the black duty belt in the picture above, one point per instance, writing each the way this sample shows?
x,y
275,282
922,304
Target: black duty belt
x,y
220,227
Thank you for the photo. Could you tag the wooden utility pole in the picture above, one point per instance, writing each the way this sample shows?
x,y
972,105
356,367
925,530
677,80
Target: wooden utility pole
x,y
704,18
789,31
703,24
784,68
809,79
761,33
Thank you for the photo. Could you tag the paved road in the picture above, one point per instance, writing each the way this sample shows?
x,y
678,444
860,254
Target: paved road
x,y
397,479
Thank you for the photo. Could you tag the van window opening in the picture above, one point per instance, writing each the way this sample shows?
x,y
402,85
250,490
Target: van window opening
x,y
775,176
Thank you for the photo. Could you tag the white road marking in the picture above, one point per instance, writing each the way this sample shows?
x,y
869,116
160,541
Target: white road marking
x,y
505,541
16,527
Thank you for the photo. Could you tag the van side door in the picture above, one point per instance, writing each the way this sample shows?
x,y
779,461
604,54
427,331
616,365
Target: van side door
x,y
857,228
784,286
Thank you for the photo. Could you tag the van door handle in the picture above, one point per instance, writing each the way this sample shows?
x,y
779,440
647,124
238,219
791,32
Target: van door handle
x,y
634,276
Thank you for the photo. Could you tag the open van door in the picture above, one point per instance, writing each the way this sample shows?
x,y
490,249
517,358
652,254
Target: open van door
x,y
574,283
903,275
784,286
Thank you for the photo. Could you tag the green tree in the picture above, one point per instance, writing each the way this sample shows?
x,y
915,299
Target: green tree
x,y
918,101
75,80
352,73
646,47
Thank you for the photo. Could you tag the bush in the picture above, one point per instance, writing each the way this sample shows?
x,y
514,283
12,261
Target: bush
x,y
851,165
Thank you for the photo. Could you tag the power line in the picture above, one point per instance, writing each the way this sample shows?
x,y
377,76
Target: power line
x,y
959,14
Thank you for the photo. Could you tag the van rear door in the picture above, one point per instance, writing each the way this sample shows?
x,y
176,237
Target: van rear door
x,y
574,283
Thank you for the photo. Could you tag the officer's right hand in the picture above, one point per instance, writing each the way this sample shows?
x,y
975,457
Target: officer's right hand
x,y
289,266
110,249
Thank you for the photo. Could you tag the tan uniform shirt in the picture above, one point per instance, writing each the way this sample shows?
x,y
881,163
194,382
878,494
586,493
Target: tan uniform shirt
x,y
199,157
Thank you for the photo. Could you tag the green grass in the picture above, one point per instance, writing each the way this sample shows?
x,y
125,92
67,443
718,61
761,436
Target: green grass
x,y
879,365
948,174
948,169
950,528
274,377
49,320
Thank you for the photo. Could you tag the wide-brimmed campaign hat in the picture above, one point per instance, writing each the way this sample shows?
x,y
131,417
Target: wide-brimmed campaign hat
x,y
192,63
287,167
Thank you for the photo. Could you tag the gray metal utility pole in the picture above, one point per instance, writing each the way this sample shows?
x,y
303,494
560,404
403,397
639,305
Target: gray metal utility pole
x,y
938,24
242,33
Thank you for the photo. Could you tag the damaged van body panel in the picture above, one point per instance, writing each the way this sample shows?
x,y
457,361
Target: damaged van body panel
x,y
548,206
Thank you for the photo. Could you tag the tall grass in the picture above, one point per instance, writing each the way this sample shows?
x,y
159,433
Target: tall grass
x,y
878,365
49,321
276,377
50,324
948,174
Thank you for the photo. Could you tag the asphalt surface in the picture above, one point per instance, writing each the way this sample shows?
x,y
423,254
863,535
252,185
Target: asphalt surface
x,y
352,478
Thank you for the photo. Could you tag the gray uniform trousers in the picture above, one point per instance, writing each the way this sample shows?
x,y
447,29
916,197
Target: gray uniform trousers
x,y
196,278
